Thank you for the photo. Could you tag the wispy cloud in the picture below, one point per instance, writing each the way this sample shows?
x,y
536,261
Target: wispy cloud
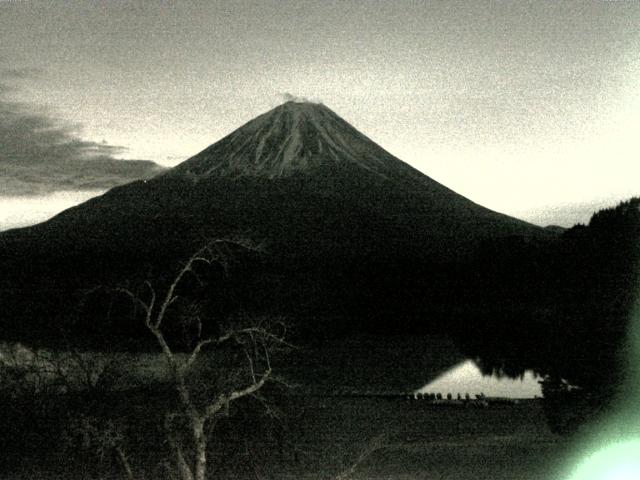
x,y
41,153
289,97
19,72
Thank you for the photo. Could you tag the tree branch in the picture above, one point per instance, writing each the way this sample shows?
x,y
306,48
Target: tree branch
x,y
215,407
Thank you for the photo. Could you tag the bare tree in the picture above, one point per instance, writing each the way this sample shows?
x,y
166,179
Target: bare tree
x,y
48,372
103,437
201,405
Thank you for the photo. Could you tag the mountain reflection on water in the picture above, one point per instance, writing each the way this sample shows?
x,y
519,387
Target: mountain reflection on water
x,y
466,377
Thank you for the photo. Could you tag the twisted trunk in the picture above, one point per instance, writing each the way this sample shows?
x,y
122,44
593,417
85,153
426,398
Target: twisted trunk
x,y
200,440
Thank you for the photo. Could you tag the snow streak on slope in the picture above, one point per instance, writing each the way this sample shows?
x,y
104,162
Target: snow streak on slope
x,y
291,138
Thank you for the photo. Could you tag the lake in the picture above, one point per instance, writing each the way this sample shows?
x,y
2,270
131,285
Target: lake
x,y
466,377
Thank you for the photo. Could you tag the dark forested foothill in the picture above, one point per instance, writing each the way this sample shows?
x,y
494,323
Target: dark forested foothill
x,y
562,308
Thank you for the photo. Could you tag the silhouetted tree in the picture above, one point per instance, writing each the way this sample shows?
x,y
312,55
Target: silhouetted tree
x,y
206,384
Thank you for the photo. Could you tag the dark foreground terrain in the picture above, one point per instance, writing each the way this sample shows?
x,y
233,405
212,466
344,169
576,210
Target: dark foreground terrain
x,y
314,438
423,441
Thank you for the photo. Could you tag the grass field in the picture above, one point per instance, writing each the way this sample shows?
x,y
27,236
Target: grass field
x,y
321,437
315,437
423,441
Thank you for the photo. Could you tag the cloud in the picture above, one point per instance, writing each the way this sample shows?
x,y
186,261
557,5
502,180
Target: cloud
x,y
40,153
19,72
288,97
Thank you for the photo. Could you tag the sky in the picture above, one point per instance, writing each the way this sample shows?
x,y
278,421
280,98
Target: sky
x,y
528,108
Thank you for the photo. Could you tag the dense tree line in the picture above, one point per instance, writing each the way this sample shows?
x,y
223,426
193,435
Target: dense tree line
x,y
562,308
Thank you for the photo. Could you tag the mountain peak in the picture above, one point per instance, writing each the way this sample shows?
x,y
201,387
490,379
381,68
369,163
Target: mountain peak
x,y
294,137
291,114
300,104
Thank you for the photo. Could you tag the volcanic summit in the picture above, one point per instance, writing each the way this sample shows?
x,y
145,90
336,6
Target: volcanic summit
x,y
292,138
